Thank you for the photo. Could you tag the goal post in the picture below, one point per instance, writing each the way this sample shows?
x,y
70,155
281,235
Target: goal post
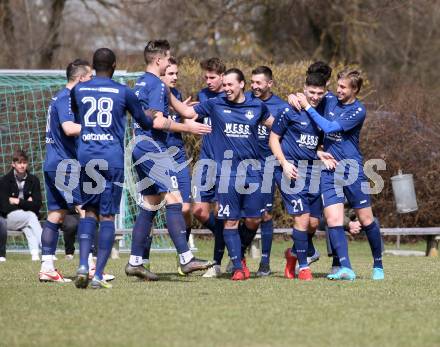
x,y
25,96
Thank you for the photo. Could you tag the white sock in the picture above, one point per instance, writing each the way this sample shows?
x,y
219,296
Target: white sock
x,y
47,263
186,257
90,261
145,261
135,260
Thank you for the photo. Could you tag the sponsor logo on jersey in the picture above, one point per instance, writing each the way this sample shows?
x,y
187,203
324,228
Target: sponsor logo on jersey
x,y
97,137
262,131
207,121
309,141
237,130
249,114
100,89
337,136
50,140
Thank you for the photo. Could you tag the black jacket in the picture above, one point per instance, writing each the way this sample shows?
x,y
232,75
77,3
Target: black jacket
x,y
9,188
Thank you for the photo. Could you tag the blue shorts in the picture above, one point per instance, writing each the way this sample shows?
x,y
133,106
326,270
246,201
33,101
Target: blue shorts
x,y
183,174
234,204
107,200
204,181
333,192
60,198
301,200
156,173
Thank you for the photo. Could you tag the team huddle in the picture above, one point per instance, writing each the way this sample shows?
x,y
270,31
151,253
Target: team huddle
x,y
252,143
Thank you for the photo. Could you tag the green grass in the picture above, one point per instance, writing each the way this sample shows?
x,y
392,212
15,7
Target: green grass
x,y
403,310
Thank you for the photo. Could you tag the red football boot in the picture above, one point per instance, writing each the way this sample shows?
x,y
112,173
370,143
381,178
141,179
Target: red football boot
x,y
289,269
305,274
238,275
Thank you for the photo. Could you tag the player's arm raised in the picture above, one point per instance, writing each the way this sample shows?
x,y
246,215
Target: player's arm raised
x,y
325,125
182,108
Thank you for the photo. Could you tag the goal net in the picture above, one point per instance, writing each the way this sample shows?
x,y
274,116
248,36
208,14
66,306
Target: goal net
x,y
25,96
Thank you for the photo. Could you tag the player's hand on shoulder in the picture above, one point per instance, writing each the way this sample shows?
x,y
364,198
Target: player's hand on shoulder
x,y
302,100
197,128
293,100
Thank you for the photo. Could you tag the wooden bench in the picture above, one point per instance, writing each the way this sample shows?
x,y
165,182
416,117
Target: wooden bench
x,y
432,237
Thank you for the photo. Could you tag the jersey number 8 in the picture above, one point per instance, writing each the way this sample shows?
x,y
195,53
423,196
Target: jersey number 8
x,y
105,108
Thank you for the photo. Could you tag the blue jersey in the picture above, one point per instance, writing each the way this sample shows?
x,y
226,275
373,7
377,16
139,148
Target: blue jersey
x,y
207,150
59,146
299,135
175,139
234,127
153,95
274,104
344,144
100,106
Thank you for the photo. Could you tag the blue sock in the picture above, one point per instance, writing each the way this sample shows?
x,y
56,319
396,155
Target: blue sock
x,y
335,261
86,234
105,244
340,244
301,244
188,233
311,248
141,231
219,242
148,242
177,227
266,241
210,223
375,241
49,238
233,243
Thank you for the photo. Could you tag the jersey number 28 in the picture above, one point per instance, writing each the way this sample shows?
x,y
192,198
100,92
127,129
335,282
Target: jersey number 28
x,y
104,116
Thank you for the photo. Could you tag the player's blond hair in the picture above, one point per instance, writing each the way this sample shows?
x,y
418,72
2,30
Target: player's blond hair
x,y
354,76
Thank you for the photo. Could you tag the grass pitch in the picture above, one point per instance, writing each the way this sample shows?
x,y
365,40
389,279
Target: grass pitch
x,y
192,311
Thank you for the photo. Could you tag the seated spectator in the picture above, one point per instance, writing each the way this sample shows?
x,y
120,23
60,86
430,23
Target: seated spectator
x,y
20,202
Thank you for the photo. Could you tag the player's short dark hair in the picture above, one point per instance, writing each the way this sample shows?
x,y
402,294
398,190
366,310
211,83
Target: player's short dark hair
x,y
19,155
155,47
238,72
104,60
263,70
354,76
173,61
214,65
76,68
320,67
316,80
